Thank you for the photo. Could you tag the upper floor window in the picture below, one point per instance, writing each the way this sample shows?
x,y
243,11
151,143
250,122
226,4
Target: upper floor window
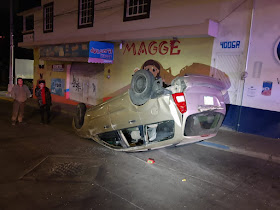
x,y
136,9
28,23
48,17
86,8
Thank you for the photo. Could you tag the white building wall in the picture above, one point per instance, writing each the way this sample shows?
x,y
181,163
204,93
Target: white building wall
x,y
263,65
233,18
109,23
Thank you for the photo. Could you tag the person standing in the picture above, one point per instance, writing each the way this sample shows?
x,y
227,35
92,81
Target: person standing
x,y
43,95
20,93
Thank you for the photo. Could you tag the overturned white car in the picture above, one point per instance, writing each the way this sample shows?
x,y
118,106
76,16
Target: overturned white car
x,y
149,116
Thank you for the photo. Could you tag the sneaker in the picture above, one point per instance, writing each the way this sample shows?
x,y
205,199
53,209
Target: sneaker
x,y
22,123
13,122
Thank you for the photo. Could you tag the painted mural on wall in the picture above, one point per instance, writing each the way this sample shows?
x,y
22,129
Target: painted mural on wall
x,y
58,86
168,59
66,50
196,68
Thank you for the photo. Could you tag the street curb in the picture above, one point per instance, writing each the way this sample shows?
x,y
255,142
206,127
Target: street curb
x,y
5,98
250,153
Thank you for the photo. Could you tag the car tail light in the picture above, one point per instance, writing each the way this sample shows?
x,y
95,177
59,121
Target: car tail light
x,y
180,101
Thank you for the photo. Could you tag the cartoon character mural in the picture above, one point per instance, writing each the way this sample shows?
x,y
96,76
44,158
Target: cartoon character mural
x,y
196,68
154,67
165,59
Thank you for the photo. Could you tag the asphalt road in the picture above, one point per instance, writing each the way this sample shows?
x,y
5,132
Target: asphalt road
x,y
49,167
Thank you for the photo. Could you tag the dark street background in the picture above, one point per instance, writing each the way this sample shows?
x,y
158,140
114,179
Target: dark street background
x,y
49,167
20,53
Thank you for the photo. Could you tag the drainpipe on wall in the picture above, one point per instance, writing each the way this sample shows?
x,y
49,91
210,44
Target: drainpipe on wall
x,y
247,60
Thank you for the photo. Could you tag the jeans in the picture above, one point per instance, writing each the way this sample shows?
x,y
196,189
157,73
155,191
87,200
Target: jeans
x,y
43,109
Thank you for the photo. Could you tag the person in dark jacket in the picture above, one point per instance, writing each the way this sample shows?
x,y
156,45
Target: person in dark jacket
x,y
43,95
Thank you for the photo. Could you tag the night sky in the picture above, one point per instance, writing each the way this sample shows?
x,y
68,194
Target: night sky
x,y
4,15
18,6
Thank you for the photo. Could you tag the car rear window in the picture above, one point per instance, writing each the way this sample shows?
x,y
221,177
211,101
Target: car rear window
x,y
203,123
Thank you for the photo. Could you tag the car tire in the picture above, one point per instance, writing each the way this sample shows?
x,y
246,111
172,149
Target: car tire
x,y
141,87
80,115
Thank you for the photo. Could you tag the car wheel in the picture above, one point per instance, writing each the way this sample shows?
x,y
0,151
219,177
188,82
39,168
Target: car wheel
x,y
141,87
80,115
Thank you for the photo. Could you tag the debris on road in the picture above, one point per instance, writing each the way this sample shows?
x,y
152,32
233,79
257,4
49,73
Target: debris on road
x,y
151,161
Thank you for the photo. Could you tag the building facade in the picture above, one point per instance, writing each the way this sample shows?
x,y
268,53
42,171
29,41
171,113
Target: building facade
x,y
229,40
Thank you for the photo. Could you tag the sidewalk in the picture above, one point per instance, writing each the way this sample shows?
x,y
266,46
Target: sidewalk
x,y
227,140
56,107
245,144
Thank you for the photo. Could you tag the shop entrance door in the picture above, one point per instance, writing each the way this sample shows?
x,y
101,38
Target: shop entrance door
x,y
84,80
231,65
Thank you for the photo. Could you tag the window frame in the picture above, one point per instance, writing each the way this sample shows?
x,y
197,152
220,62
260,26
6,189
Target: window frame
x,y
44,17
79,16
135,17
25,30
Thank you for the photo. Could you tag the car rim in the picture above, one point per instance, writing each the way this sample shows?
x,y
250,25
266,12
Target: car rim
x,y
140,84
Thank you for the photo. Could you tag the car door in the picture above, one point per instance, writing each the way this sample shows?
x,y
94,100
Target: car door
x,y
123,113
99,119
